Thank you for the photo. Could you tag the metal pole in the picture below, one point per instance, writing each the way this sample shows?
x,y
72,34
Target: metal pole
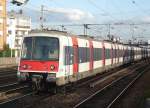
x,y
42,15
108,29
84,29
62,27
132,32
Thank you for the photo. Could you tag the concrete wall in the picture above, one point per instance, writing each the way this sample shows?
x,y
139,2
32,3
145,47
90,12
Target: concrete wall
x,y
8,61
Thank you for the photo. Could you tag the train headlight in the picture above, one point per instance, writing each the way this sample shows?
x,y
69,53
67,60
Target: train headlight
x,y
52,67
25,66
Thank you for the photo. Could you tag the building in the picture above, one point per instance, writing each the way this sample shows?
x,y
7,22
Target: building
x,y
3,31
18,25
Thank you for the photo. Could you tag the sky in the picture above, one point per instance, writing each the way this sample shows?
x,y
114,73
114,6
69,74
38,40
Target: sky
x,y
122,12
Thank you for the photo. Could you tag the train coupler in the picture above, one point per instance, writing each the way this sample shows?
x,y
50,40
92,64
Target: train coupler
x,y
37,83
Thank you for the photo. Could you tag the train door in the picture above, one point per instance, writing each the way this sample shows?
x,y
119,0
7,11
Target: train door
x,y
68,57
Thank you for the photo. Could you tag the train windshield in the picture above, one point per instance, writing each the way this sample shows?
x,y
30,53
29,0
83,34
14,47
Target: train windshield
x,y
40,48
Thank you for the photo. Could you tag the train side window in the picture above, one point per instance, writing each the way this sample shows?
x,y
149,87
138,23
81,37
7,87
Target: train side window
x,y
97,54
87,55
83,54
80,55
107,53
69,55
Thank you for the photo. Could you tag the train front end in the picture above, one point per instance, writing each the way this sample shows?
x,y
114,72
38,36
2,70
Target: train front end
x,y
39,60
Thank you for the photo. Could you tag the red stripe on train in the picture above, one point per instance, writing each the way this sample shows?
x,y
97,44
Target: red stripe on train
x,y
75,47
91,56
34,65
103,53
111,54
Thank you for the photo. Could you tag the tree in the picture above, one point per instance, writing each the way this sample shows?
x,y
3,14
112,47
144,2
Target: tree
x,y
7,52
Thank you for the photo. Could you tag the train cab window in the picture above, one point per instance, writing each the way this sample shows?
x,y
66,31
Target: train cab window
x,y
40,48
46,48
27,48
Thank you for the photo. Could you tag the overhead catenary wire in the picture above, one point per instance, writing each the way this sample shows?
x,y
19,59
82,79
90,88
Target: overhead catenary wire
x,y
98,7
139,7
32,7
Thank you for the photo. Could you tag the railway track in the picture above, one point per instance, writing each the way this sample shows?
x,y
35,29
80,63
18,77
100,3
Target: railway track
x,y
6,73
110,94
83,90
7,81
11,94
116,100
106,75
13,103
8,76
15,94
28,99
12,91
101,76
5,70
11,86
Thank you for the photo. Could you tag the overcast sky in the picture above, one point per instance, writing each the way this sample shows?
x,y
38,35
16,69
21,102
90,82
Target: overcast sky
x,y
92,11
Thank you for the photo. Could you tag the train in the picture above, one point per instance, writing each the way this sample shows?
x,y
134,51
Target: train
x,y
50,57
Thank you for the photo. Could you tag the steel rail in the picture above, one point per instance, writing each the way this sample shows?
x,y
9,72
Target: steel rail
x,y
101,90
16,98
126,88
11,84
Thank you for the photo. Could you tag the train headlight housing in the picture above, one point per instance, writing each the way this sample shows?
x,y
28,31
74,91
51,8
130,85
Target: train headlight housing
x,y
52,67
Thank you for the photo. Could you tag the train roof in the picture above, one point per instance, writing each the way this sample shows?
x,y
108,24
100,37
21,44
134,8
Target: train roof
x,y
48,32
64,33
59,33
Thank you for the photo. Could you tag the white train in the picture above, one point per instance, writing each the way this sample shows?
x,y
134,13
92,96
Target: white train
x,y
60,58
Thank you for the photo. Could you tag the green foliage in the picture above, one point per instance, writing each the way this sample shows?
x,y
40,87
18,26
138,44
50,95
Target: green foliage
x,y
7,52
